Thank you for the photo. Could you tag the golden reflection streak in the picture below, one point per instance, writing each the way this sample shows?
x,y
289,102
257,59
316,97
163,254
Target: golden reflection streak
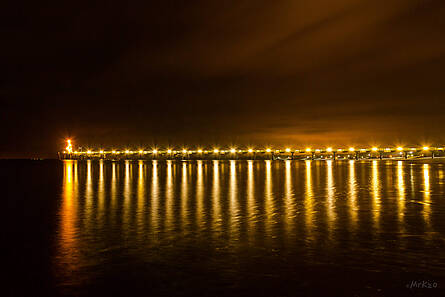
x,y
127,196
251,207
68,217
352,195
426,193
169,192
309,199
68,173
184,198
141,198
88,197
101,192
234,207
330,195
113,190
289,206
76,175
199,196
269,203
402,193
441,177
376,193
155,196
216,192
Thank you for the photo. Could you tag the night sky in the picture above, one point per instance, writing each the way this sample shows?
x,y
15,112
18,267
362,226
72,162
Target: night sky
x,y
114,74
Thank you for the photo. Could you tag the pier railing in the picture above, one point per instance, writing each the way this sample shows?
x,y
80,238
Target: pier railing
x,y
258,154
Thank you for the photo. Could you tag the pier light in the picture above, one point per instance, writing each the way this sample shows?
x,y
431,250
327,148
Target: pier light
x,y
69,147
200,151
250,150
101,151
425,148
169,151
329,149
184,151
400,148
308,150
351,149
113,151
89,151
287,150
127,151
216,151
233,151
317,150
374,149
339,150
155,151
141,151
268,150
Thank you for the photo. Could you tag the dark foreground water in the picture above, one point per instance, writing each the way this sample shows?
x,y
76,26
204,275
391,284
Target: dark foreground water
x,y
224,228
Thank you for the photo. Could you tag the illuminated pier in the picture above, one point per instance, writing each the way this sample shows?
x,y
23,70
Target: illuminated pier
x,y
328,153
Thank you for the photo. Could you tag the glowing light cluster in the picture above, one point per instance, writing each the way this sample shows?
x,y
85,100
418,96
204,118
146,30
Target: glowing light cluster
x,y
69,147
268,150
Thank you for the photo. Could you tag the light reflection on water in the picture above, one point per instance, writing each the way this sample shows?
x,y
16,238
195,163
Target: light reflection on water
x,y
426,191
233,200
109,209
401,194
309,199
352,196
216,199
68,217
252,207
289,200
375,184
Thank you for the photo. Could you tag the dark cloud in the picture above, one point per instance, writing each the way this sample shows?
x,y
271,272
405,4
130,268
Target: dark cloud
x,y
237,72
